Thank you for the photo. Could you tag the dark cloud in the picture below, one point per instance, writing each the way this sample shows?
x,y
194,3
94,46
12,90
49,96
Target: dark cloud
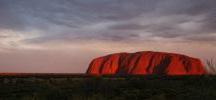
x,y
8,17
130,19
126,36
202,38
128,26
188,7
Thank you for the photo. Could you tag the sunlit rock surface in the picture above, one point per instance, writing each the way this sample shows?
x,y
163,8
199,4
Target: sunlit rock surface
x,y
146,63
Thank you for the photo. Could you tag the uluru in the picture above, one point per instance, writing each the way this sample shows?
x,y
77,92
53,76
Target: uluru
x,y
146,63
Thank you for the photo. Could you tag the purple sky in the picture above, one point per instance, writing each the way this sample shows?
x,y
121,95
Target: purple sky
x,y
60,36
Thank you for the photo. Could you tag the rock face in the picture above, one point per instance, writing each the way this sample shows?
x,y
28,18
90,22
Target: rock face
x,y
146,63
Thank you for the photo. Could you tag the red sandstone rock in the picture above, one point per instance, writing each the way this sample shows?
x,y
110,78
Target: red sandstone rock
x,y
146,63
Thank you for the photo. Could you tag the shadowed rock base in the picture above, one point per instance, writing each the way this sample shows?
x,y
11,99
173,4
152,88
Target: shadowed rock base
x,y
146,63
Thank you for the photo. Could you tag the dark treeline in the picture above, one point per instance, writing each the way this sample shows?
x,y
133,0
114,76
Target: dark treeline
x,y
107,87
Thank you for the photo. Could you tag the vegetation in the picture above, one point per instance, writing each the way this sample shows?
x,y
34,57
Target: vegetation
x,y
108,88
211,67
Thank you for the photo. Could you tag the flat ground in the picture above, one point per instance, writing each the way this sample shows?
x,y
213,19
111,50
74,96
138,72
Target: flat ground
x,y
81,87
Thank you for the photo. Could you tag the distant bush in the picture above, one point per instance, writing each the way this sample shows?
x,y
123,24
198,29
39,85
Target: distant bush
x,y
211,66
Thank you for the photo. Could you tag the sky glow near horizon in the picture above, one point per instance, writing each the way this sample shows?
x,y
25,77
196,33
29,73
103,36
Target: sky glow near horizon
x,y
62,36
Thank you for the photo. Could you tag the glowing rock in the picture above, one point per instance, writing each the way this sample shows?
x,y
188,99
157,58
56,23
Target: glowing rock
x,y
146,63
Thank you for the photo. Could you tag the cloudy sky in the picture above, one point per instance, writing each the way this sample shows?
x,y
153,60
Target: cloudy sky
x,y
60,36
